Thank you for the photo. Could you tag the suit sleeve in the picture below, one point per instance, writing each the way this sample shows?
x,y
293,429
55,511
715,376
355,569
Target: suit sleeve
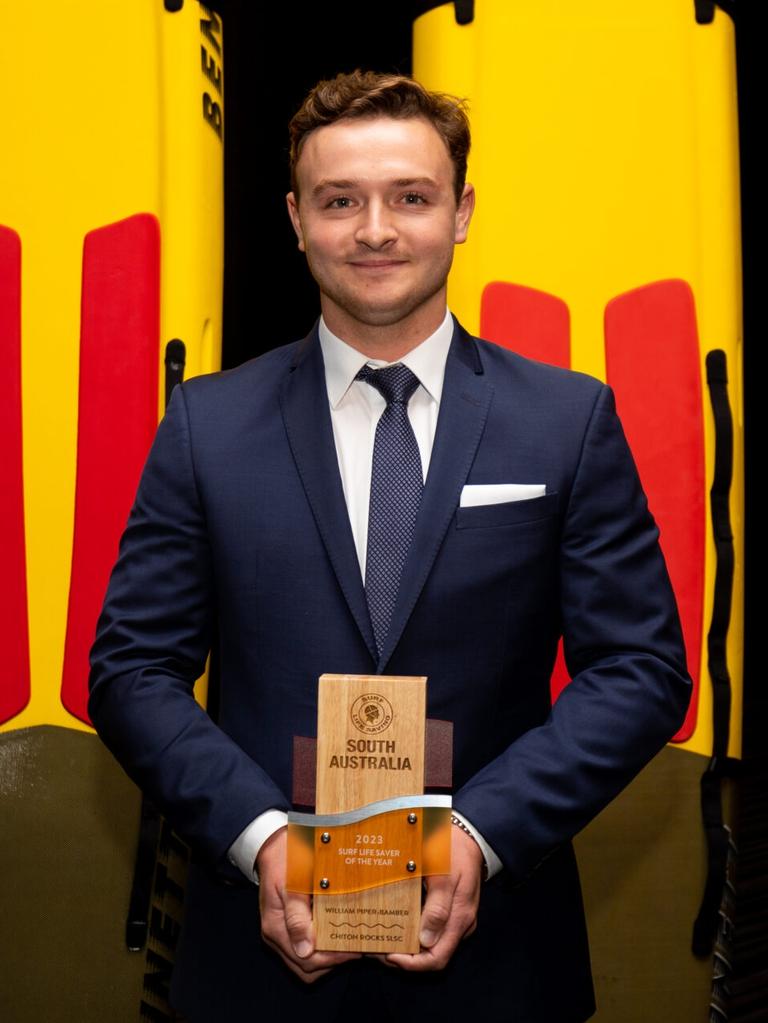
x,y
152,641
624,651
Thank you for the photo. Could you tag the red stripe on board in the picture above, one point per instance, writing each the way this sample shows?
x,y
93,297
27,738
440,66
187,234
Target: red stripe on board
x,y
532,323
117,418
560,674
654,365
537,325
14,628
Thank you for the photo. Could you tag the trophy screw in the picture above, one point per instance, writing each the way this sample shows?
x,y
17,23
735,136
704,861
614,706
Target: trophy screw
x,y
410,867
412,818
325,838
325,883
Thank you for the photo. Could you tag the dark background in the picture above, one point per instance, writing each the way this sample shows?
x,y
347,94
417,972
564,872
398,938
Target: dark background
x,y
270,298
318,41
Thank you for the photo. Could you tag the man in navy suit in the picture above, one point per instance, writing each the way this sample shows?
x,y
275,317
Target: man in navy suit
x,y
250,531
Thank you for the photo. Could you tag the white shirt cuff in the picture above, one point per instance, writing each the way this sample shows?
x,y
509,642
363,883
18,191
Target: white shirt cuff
x,y
492,861
245,848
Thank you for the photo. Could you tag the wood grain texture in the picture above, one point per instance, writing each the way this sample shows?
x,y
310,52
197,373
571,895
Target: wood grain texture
x,y
370,746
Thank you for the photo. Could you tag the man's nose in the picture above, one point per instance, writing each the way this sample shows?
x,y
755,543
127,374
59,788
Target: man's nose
x,y
376,226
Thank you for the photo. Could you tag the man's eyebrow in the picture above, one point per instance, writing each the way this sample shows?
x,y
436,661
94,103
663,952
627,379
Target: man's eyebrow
x,y
327,183
410,182
342,185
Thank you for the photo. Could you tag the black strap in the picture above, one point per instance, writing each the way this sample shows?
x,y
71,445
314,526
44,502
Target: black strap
x,y
717,379
705,10
716,834
175,360
137,923
464,11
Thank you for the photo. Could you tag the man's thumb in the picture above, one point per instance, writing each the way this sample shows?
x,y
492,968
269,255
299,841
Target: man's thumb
x,y
436,911
298,923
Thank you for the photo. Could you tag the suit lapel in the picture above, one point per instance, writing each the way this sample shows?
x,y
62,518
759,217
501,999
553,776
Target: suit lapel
x,y
464,408
304,404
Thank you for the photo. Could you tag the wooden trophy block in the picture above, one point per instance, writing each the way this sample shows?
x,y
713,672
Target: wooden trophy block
x,y
370,747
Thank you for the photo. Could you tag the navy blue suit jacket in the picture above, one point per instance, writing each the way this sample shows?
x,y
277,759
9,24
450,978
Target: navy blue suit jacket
x,y
240,536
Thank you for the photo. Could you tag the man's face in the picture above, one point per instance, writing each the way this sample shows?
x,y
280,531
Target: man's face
x,y
377,218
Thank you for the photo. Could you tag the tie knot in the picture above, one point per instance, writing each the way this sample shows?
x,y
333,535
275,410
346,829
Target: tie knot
x,y
394,383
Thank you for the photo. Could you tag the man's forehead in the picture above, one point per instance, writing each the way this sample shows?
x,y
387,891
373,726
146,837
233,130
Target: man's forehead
x,y
373,124
376,139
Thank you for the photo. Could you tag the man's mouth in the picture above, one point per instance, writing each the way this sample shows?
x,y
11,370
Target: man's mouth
x,y
376,264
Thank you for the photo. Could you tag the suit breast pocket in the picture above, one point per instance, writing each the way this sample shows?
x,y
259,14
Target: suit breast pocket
x,y
509,513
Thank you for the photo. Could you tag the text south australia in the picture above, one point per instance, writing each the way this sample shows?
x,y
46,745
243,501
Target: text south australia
x,y
370,755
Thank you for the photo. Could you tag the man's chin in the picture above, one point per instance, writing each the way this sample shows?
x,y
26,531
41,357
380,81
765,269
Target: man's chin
x,y
382,313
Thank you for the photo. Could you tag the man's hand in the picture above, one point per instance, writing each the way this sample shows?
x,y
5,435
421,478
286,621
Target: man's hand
x,y
450,908
286,917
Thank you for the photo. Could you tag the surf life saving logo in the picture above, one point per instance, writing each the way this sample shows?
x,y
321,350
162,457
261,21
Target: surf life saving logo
x,y
371,713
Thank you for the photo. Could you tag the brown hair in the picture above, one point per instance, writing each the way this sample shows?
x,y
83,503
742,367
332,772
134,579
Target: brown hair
x,y
370,94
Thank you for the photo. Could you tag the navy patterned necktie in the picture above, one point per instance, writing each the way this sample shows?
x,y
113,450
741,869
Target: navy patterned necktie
x,y
396,486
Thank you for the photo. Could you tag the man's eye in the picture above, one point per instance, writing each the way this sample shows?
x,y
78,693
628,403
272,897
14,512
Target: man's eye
x,y
341,202
414,199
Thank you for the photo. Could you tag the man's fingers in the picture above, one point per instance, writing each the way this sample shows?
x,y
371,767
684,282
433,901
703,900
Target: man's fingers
x,y
296,967
461,924
286,917
450,908
313,967
296,946
289,932
382,957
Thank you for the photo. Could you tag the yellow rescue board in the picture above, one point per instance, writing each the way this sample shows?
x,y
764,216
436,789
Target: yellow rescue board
x,y
605,158
111,231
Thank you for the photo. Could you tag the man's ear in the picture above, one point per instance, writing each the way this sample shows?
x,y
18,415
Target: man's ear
x,y
293,213
464,211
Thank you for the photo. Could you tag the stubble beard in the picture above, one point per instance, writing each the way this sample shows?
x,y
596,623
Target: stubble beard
x,y
353,305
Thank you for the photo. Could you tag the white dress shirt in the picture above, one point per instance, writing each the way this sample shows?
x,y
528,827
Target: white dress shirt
x,y
355,410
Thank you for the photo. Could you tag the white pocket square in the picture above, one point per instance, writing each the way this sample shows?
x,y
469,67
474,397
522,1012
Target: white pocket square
x,y
474,494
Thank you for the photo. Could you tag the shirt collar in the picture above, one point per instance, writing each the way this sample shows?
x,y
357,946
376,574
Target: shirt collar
x,y
427,360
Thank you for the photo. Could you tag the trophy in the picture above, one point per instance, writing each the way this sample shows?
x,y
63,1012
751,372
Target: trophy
x,y
374,834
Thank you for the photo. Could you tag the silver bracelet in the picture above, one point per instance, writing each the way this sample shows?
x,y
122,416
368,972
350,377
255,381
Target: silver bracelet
x,y
460,824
